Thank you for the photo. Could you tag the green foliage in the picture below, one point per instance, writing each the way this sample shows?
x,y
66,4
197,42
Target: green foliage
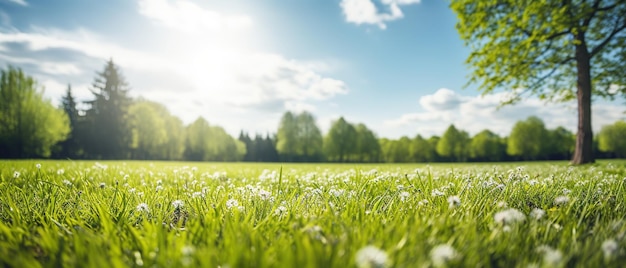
x,y
155,133
211,143
612,138
560,143
530,45
29,124
367,146
107,126
421,150
527,139
308,136
287,140
454,144
340,141
487,146
168,214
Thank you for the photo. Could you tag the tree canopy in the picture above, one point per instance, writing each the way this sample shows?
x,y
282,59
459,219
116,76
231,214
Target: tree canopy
x,y
557,50
29,124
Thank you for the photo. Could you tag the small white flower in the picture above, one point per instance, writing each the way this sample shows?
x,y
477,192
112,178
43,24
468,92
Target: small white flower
x,y
60,171
265,195
187,250
442,254
436,192
609,247
38,166
537,213
143,207
404,195
335,192
454,201
509,216
67,183
231,203
16,174
566,191
158,188
551,257
138,259
423,202
102,185
281,210
178,204
372,257
561,200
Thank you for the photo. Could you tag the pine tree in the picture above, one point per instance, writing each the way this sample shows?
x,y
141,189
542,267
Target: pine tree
x,y
109,131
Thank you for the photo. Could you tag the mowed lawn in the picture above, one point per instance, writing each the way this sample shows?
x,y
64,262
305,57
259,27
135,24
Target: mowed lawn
x,y
188,214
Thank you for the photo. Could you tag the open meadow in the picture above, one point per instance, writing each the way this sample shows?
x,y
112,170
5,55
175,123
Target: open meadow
x,y
178,214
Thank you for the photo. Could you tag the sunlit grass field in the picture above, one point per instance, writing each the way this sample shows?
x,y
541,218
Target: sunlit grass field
x,y
168,214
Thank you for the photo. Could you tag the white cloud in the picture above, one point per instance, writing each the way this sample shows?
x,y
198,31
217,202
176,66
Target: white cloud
x,y
443,99
475,113
187,16
366,11
228,84
19,2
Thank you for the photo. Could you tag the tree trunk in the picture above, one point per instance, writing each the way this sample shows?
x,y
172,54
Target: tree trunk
x,y
584,137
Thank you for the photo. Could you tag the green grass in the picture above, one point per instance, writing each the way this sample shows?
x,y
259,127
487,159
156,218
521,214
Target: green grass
x,y
169,214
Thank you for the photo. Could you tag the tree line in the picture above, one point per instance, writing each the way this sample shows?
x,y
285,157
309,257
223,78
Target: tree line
x,y
112,125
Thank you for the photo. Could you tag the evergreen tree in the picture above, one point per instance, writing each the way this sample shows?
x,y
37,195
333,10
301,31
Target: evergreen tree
x,y
70,148
109,132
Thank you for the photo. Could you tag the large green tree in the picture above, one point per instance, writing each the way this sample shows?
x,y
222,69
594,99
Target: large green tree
x,y
211,143
556,49
29,124
421,150
109,132
561,143
308,138
340,141
70,148
612,138
367,146
486,146
287,137
528,139
454,144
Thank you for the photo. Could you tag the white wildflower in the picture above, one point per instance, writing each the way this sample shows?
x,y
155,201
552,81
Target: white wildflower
x,y
143,207
281,210
102,185
178,204
509,216
187,250
38,166
404,195
158,188
561,200
537,213
67,183
60,171
551,257
16,174
335,192
265,195
423,202
138,259
442,254
566,191
371,256
609,247
231,203
436,192
454,201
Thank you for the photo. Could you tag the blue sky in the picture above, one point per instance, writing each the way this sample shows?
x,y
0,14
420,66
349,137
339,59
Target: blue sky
x,y
395,65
